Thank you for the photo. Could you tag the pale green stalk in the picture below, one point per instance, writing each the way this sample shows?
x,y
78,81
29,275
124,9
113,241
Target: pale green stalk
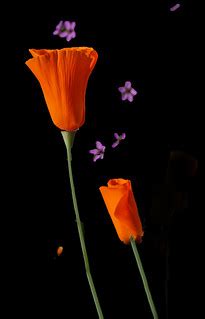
x,y
68,139
144,279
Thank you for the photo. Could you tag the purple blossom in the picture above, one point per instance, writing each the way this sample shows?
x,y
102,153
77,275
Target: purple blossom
x,y
65,30
98,152
127,91
118,139
175,7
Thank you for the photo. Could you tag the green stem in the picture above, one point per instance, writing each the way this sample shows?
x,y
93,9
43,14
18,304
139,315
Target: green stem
x,y
68,139
144,279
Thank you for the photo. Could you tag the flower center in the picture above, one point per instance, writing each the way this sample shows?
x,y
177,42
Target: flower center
x,y
66,30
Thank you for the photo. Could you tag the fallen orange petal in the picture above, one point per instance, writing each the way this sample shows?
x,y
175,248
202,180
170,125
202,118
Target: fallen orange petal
x,y
59,250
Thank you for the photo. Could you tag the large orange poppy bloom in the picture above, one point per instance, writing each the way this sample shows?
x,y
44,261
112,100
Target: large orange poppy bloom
x,y
63,76
121,205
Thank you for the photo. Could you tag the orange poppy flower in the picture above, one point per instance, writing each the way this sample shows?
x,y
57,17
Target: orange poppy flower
x,y
63,76
121,205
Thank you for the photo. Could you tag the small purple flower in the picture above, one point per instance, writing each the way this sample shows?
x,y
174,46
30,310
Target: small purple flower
x,y
127,91
175,7
65,30
98,152
118,139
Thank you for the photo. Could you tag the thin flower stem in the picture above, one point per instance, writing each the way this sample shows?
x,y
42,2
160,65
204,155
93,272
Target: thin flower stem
x,y
68,143
144,279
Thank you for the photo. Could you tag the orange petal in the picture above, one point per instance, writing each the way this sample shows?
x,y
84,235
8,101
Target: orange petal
x,y
59,250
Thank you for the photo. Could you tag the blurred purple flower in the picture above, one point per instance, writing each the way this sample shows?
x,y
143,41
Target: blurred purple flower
x,y
175,7
98,152
65,30
127,91
118,139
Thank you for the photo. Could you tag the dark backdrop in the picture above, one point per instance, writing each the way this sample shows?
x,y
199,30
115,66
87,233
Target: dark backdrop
x,y
160,52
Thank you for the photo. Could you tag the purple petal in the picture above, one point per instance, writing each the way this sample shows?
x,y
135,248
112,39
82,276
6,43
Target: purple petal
x,y
116,136
63,34
115,144
72,25
56,32
123,136
128,85
67,25
130,97
94,151
99,146
133,91
175,7
122,89
96,157
73,34
69,37
60,25
124,96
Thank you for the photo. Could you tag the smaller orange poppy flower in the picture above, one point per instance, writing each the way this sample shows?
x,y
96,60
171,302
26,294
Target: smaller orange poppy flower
x,y
63,76
121,205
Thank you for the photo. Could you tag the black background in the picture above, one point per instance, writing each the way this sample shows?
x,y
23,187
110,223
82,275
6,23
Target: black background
x,y
160,52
